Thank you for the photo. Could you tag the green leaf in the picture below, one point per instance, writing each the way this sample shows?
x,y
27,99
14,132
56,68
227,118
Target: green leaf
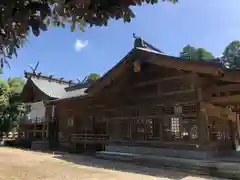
x,y
154,1
73,24
81,28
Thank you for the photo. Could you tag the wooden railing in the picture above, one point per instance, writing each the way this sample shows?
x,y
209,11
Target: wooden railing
x,y
89,138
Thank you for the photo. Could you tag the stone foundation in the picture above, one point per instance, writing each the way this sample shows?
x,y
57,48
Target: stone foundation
x,y
186,154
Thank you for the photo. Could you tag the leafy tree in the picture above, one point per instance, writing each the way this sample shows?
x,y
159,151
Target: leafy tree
x,y
231,55
190,52
19,17
91,78
94,76
4,90
11,107
16,84
203,54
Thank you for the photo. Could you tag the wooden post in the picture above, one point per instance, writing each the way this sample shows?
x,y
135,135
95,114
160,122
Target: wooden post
x,y
203,134
130,130
47,130
202,117
233,133
34,130
236,133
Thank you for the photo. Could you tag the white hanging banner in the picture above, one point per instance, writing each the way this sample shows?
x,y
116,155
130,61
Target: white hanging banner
x,y
37,111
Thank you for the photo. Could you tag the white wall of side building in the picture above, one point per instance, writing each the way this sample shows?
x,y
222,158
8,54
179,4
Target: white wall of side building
x,y
37,112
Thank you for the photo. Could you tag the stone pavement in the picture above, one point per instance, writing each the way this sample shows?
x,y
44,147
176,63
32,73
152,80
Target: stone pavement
x,y
224,168
19,164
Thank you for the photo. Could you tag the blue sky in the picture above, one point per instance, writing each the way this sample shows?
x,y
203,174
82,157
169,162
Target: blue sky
x,y
211,24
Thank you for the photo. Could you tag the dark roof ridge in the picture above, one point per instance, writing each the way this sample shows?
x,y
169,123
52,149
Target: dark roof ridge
x,y
49,78
209,62
140,42
77,86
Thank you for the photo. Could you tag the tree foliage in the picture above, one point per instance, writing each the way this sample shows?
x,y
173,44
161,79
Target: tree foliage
x,y
231,55
190,52
19,17
94,76
11,108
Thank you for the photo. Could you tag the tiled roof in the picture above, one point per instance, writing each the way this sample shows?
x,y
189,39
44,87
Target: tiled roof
x,y
52,89
216,62
58,90
143,45
75,93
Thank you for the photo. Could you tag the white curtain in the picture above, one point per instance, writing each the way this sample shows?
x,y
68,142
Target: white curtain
x,y
37,112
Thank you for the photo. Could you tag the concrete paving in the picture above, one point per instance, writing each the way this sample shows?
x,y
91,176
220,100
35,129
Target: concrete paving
x,y
224,168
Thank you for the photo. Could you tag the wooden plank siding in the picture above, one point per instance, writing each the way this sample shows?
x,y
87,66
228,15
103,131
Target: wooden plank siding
x,y
157,107
134,112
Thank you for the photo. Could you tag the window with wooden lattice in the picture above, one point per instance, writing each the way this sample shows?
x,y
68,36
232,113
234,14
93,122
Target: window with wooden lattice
x,y
167,110
178,109
185,129
194,132
151,111
219,130
175,127
70,121
124,125
149,126
188,109
140,125
154,111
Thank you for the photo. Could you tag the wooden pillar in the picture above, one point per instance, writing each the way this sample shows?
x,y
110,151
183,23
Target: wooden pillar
x,y
34,130
203,134
236,132
158,89
233,133
130,129
202,116
47,125
42,132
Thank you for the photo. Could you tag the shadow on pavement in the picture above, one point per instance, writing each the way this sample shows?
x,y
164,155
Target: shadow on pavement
x,y
91,161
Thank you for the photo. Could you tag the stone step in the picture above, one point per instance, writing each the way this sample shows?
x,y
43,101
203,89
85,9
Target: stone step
x,y
203,167
40,145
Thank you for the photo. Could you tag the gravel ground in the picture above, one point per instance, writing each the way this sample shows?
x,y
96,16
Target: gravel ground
x,y
27,165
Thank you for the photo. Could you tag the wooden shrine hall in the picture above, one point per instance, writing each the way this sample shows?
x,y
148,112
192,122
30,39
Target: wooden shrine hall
x,y
147,102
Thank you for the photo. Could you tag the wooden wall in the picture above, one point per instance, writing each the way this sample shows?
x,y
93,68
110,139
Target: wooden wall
x,y
157,107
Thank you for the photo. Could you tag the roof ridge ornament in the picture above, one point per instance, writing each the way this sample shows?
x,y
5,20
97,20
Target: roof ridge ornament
x,y
50,78
85,79
141,43
35,68
61,80
39,74
79,81
138,42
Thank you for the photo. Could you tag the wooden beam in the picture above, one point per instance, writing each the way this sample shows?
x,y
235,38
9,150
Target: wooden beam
x,y
217,111
113,73
156,81
225,88
167,61
178,92
226,100
231,76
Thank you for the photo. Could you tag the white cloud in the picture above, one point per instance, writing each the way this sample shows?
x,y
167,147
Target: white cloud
x,y
80,44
